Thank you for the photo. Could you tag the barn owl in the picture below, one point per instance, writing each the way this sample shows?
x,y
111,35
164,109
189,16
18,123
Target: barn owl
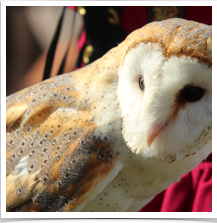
x,y
112,135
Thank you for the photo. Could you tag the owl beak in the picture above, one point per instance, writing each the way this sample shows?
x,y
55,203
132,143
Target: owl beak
x,y
154,132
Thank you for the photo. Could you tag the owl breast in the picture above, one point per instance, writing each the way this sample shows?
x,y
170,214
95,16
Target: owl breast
x,y
140,180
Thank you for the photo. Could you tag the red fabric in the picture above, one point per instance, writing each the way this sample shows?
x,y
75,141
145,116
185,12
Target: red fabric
x,y
201,14
193,193
82,40
133,17
72,7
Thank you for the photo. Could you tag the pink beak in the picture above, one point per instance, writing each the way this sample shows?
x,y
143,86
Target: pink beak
x,y
154,132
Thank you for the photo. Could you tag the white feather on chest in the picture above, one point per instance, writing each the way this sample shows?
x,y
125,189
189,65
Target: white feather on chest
x,y
140,180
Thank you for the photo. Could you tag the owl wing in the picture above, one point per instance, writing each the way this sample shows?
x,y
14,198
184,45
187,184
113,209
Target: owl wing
x,y
54,159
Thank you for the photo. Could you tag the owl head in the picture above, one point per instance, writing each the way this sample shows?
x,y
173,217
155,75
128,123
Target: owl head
x,y
165,89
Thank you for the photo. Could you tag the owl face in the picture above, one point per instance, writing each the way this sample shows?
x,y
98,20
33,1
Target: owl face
x,y
165,100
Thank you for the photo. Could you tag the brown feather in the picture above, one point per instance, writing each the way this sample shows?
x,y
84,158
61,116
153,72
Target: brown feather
x,y
61,151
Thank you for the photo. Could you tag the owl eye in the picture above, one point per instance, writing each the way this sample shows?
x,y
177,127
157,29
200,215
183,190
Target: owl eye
x,y
192,93
141,83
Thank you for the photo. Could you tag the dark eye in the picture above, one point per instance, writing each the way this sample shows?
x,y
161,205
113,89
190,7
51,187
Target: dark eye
x,y
141,83
192,93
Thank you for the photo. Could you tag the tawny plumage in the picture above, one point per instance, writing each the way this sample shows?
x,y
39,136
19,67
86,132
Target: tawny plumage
x,y
112,135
